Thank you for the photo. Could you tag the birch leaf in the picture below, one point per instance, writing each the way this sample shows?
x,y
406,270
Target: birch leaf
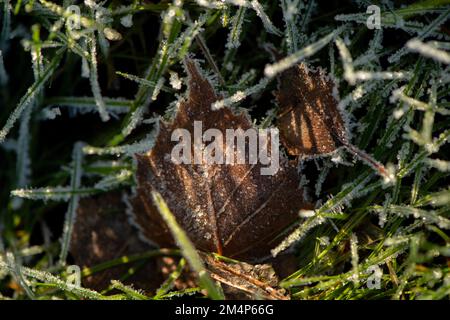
x,y
231,209
309,120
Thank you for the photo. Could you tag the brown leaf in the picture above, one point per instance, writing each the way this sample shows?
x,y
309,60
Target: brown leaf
x,y
241,280
229,209
102,233
309,120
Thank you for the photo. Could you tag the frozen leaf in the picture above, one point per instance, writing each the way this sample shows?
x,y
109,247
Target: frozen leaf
x,y
102,233
241,280
310,120
227,208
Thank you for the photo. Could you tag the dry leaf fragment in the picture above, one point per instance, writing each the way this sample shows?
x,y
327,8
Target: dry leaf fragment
x,y
310,121
224,208
245,281
102,233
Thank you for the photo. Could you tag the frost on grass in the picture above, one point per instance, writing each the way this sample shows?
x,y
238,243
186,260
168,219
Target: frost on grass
x,y
23,169
424,33
425,216
75,183
47,193
414,73
439,164
175,81
93,77
128,149
47,277
166,52
353,76
13,265
429,50
268,25
355,258
240,95
291,60
82,105
253,4
236,28
290,16
298,234
30,95
113,181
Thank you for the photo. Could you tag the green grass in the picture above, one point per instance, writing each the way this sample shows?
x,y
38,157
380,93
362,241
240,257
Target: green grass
x,y
57,88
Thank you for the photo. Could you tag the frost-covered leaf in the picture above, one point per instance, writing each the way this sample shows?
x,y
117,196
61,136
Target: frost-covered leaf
x,y
310,120
224,208
101,234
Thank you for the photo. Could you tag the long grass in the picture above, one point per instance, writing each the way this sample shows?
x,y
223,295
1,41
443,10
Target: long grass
x,y
107,82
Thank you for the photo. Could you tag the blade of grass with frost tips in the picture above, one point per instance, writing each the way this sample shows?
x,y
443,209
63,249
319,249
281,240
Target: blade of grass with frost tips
x,y
236,28
129,149
426,216
268,25
48,278
285,63
386,254
428,50
420,157
348,192
110,182
69,43
87,271
95,86
169,282
181,293
187,248
436,199
53,193
112,104
16,270
75,183
240,95
153,73
129,291
28,98
143,82
291,30
422,34
173,48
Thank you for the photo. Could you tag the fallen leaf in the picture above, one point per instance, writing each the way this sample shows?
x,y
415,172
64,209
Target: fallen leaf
x,y
241,280
309,120
102,233
224,208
